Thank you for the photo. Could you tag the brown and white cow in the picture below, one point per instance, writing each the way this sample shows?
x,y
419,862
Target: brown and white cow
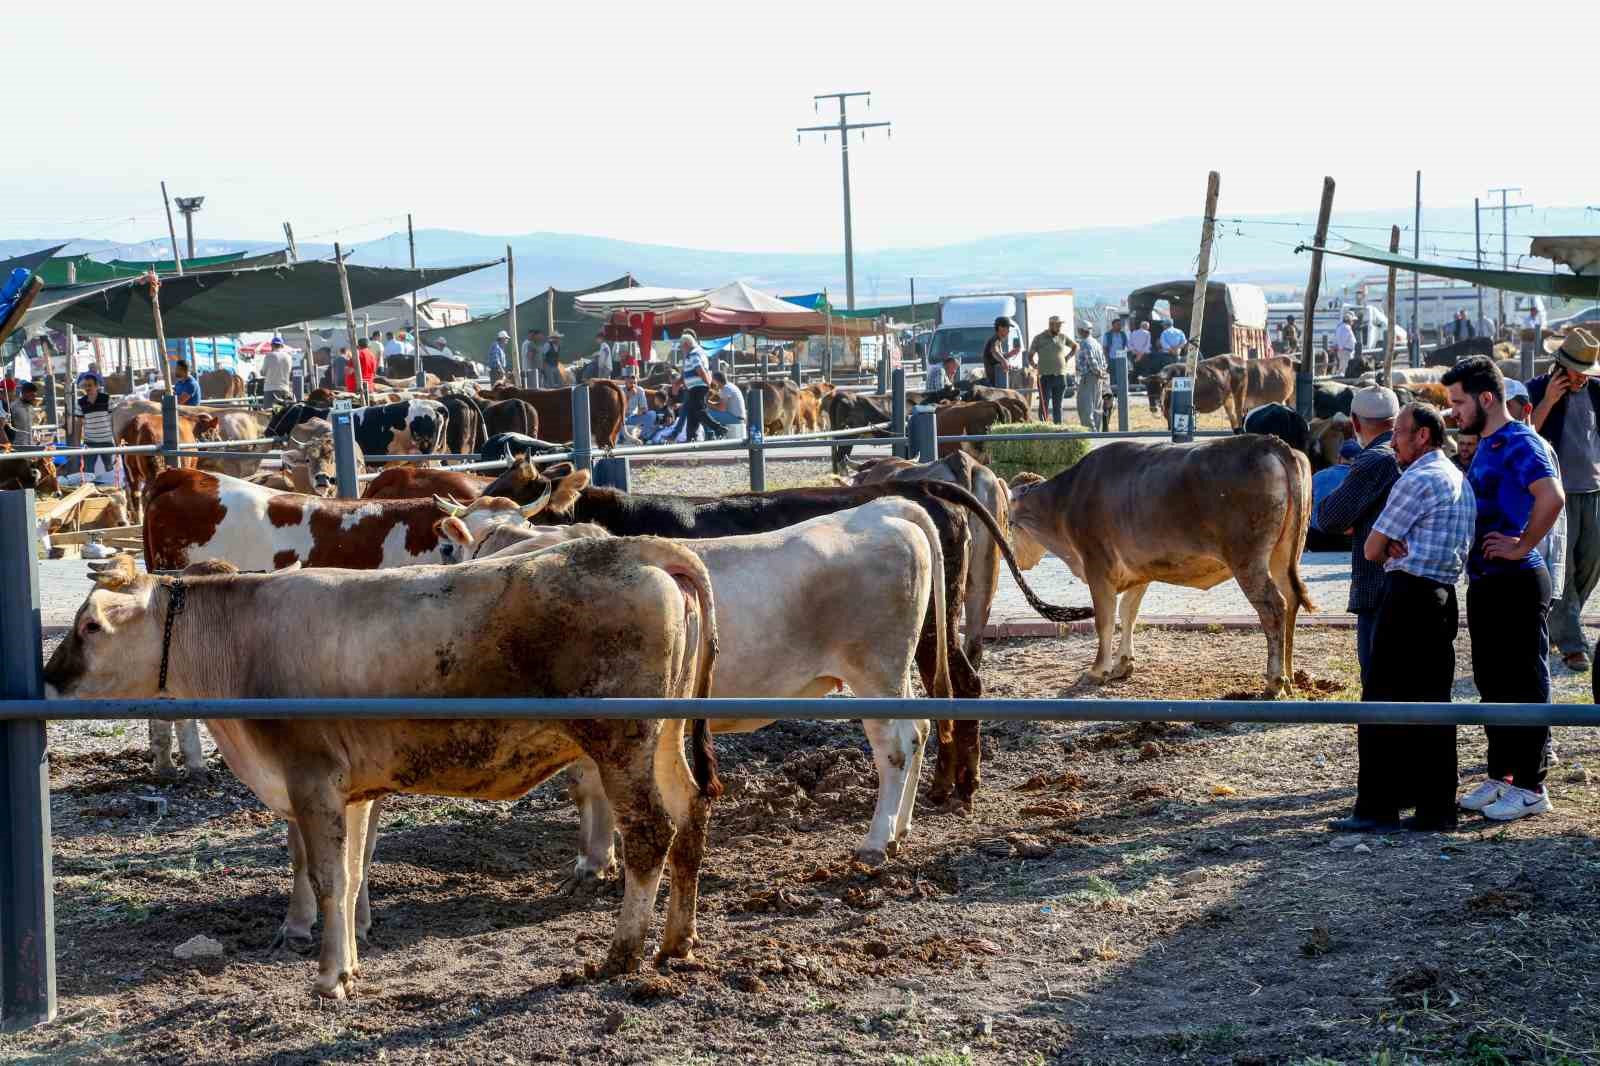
x,y
146,429
873,572
498,629
1131,513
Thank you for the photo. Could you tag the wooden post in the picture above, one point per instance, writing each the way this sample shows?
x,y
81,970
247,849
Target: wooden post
x,y
72,360
161,330
172,232
514,356
1305,377
1388,310
350,322
1197,315
416,312
288,237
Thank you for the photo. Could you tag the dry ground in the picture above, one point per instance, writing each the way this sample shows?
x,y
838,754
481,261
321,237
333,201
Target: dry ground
x,y
1120,895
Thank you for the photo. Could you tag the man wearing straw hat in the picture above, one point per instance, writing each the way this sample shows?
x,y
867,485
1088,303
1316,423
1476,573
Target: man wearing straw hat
x,y
1566,413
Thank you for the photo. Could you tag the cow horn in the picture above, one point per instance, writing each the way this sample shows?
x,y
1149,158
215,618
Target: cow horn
x,y
528,510
449,507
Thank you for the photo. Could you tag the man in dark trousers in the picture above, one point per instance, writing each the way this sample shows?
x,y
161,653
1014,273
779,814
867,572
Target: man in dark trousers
x,y
1421,539
1566,412
1356,503
1508,595
995,353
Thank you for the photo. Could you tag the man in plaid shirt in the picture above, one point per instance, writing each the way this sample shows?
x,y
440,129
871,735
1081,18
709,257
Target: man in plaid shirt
x,y
1422,538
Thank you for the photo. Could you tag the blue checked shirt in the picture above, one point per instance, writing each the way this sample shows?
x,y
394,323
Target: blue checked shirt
x,y
1433,511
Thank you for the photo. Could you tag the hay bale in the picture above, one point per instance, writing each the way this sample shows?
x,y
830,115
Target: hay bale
x,y
1007,458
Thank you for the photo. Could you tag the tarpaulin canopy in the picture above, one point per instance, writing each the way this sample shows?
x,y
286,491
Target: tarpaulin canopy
x,y
722,312
889,313
473,339
57,272
221,302
1574,286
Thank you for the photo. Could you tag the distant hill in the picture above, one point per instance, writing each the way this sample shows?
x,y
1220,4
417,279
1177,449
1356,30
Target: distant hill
x,y
1101,263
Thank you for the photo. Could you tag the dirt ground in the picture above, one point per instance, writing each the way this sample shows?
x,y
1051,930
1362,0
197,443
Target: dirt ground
x,y
1121,894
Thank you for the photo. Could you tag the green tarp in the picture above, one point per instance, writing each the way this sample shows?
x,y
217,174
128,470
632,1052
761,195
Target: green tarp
x,y
902,313
472,340
222,302
89,270
1566,285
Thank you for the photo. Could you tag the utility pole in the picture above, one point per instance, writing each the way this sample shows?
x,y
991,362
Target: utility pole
x,y
1505,256
172,233
187,206
1477,254
1416,254
843,128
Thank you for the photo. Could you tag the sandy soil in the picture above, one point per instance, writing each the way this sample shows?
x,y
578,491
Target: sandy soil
x,y
1161,893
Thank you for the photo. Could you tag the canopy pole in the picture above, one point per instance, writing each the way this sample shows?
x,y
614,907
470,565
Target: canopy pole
x,y
1304,377
416,311
1197,314
350,323
1389,310
161,330
515,355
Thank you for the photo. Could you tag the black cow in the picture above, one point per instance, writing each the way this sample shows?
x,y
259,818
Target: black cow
x,y
1451,354
511,445
290,415
510,416
854,410
443,367
948,505
1331,398
464,430
1285,423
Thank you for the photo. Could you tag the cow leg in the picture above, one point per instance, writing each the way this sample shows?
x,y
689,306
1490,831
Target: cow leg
x,y
325,828
908,801
295,933
1291,614
1269,603
1127,613
597,856
647,834
691,814
983,580
161,748
356,817
1105,611
194,760
363,899
896,747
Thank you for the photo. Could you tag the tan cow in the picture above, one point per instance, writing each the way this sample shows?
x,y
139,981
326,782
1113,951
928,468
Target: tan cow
x,y
237,426
1232,383
495,629
1131,513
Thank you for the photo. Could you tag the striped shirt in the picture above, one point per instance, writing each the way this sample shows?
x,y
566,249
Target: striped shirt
x,y
96,418
1432,510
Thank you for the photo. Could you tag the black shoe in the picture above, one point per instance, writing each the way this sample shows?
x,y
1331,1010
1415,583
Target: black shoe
x,y
1430,823
1357,823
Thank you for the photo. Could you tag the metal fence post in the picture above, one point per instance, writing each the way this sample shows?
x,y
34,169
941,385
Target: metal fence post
x,y
897,411
613,474
755,437
924,435
297,383
344,454
169,428
883,374
50,399
798,380
422,372
1119,384
581,440
1182,410
27,905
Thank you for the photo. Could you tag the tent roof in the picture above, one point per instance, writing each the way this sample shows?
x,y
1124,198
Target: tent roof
x,y
475,337
737,296
640,298
1580,287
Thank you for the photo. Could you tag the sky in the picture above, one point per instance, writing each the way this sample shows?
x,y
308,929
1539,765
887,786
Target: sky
x,y
675,123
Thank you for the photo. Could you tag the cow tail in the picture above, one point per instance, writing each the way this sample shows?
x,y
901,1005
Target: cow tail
x,y
1298,468
952,493
942,687
682,563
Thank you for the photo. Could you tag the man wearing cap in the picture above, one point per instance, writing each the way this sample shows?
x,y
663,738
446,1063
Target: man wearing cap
x,y
1356,504
1508,596
995,353
1049,353
276,369
1344,343
1091,379
1566,413
497,356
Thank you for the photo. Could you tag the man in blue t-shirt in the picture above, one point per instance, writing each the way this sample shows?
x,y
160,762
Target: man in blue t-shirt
x,y
184,387
1508,595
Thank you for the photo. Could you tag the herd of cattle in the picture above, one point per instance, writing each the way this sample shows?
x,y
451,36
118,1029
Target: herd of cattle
x,y
486,584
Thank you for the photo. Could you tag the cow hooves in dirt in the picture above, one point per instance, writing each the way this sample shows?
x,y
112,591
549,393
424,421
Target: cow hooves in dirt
x,y
873,856
302,946
681,951
583,883
341,987
1123,668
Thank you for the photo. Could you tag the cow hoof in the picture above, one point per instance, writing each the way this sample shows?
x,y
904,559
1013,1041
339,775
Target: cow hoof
x,y
585,883
682,949
618,963
1123,668
336,988
294,944
871,856
199,777
167,772
1094,677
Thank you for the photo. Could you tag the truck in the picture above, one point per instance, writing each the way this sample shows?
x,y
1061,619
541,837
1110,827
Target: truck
x,y
966,322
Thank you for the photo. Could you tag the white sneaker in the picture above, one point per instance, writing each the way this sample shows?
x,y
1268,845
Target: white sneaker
x,y
1483,795
1518,803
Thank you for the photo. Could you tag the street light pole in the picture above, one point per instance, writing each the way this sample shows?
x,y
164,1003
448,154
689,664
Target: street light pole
x,y
843,128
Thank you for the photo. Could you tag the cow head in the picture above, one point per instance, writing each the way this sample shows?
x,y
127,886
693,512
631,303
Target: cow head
x,y
1023,544
114,648
467,524
510,540
206,427
1037,523
309,465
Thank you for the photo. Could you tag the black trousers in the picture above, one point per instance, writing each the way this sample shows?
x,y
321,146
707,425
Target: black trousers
x,y
1506,615
1413,660
695,415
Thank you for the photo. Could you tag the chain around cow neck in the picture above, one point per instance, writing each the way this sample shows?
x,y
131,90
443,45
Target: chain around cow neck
x,y
175,602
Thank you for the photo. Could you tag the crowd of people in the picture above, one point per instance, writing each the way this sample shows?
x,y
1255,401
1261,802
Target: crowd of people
x,y
1518,512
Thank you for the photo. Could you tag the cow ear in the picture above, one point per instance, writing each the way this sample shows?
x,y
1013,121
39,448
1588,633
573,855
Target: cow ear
x,y
455,530
555,471
567,492
115,574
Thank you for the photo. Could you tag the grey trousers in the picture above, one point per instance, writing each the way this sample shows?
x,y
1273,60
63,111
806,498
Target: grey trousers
x,y
1583,572
1089,386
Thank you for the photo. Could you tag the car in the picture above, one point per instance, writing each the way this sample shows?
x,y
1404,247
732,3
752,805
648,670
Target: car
x,y
1589,316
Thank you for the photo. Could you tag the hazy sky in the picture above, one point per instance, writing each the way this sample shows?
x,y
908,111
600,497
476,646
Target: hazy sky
x,y
674,123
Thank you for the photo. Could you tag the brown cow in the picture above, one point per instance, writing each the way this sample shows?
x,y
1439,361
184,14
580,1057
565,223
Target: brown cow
x,y
972,417
237,426
1131,513
607,405
424,483
1234,384
142,469
809,404
221,385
